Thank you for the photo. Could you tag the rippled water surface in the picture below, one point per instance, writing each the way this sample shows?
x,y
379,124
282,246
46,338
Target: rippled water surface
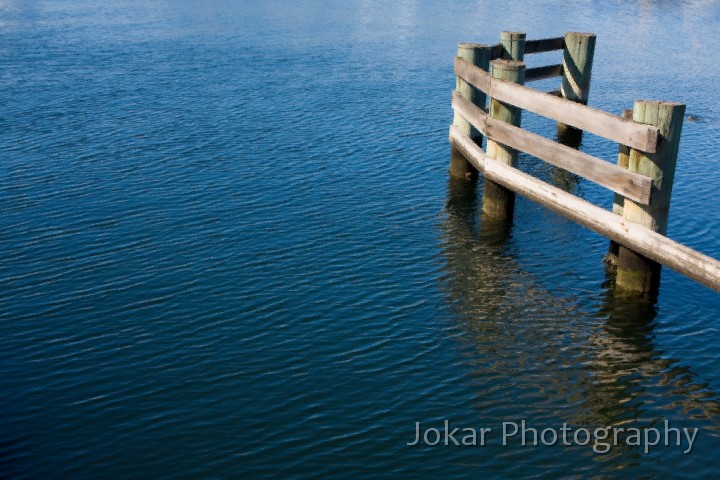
x,y
229,246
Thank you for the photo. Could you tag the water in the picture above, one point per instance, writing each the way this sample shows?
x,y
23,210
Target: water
x,y
229,247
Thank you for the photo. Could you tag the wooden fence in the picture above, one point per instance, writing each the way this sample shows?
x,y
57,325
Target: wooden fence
x,y
642,180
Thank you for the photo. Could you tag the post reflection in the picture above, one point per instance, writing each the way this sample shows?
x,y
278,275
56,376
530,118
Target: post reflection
x,y
633,377
536,353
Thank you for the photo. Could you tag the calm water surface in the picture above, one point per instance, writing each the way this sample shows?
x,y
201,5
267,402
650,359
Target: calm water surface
x,y
229,247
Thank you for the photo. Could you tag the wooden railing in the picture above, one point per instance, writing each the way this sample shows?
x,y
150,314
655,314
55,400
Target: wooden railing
x,y
629,184
643,191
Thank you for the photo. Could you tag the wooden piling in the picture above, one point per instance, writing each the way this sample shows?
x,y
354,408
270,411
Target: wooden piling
x,y
513,45
636,273
577,66
499,201
478,55
578,55
623,161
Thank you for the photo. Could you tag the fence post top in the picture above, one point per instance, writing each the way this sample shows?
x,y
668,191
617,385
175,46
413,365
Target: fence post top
x,y
474,45
514,35
512,65
579,34
660,103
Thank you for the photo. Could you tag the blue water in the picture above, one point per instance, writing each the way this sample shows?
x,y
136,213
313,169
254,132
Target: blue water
x,y
229,246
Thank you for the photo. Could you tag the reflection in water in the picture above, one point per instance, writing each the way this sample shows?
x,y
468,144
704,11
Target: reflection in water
x,y
626,361
588,362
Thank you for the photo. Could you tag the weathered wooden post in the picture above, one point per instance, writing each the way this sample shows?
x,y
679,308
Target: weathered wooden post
x,y
636,273
577,66
619,201
478,55
513,45
578,56
498,201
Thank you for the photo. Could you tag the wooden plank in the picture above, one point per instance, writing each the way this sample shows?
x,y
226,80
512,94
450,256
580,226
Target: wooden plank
x,y
477,77
540,73
632,185
496,51
613,127
544,45
682,259
642,137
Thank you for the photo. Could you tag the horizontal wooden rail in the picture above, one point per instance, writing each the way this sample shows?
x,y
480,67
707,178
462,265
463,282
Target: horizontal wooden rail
x,y
531,46
629,184
544,45
540,73
477,77
682,259
626,132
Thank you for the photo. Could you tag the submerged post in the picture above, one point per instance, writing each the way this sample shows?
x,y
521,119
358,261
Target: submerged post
x,y
478,55
498,201
636,273
578,55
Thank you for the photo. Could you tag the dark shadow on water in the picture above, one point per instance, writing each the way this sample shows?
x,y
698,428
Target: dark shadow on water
x,y
570,136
